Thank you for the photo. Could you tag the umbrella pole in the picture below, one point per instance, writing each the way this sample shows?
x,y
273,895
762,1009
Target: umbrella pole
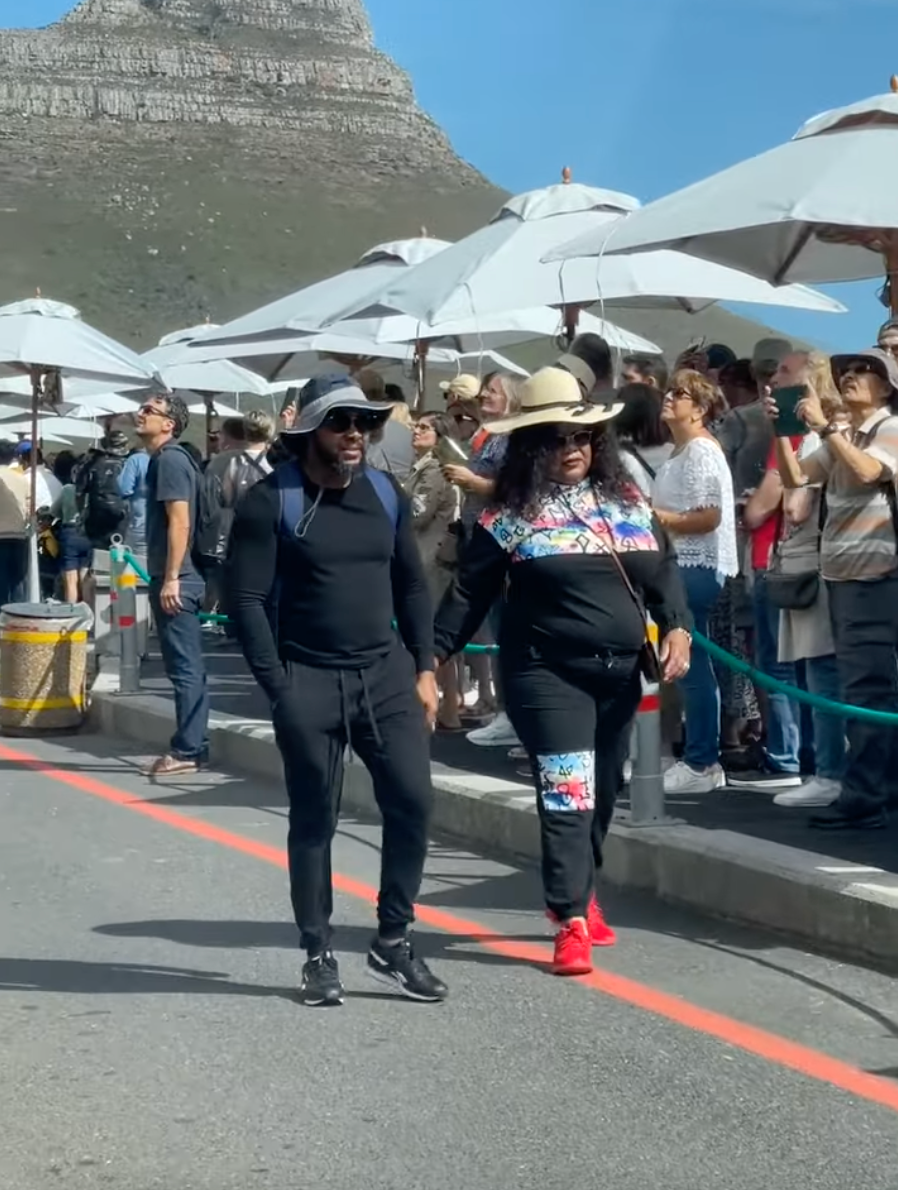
x,y
892,273
420,372
571,317
34,580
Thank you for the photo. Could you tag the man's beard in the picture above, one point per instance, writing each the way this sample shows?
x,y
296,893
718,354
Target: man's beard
x,y
343,472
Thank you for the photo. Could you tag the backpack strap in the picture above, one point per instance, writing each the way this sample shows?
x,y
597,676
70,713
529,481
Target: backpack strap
x,y
386,494
292,497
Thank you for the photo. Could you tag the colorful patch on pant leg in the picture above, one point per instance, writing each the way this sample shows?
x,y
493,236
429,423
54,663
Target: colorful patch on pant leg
x,y
567,780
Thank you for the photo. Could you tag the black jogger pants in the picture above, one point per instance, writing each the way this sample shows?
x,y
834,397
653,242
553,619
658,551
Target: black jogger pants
x,y
377,711
574,719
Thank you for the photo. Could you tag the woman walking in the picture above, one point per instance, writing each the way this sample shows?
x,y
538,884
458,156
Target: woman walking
x,y
584,558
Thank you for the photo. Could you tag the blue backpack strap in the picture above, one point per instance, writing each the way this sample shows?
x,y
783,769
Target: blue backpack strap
x,y
292,497
386,494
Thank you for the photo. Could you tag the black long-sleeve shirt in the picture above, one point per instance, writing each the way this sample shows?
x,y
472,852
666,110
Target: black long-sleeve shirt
x,y
564,592
339,587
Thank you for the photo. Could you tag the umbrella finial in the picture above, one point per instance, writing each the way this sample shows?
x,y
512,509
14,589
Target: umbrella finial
x,y
566,175
424,233
893,83
37,291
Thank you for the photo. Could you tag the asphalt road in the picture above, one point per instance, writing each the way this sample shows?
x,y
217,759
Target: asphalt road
x,y
149,1034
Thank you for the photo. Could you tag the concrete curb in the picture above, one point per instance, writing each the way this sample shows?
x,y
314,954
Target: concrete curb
x,y
821,902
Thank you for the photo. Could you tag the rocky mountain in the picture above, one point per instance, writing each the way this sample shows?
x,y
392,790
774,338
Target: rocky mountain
x,y
165,160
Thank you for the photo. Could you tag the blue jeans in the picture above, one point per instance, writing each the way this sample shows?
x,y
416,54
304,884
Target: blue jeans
x,y
783,730
181,642
701,694
830,749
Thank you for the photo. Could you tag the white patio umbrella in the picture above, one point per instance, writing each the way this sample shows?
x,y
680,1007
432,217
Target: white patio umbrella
x,y
316,305
201,376
211,407
48,343
102,405
287,354
821,208
503,266
49,428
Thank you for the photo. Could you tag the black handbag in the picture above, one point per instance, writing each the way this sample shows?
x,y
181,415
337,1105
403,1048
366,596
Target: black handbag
x,y
793,592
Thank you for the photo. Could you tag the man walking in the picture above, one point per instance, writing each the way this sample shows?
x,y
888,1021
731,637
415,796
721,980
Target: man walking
x,y
334,538
176,587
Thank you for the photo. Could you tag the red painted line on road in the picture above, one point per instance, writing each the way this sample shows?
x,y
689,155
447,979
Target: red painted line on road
x,y
762,1044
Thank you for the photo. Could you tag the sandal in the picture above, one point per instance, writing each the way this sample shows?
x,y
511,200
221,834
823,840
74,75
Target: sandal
x,y
171,766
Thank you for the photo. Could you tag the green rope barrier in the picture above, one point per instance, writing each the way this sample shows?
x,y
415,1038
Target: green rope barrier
x,y
136,567
841,709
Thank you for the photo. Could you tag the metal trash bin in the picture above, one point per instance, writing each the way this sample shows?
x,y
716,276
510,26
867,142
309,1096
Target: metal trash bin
x,y
43,667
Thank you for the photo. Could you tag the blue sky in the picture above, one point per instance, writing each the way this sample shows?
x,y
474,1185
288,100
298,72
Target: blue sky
x,y
643,97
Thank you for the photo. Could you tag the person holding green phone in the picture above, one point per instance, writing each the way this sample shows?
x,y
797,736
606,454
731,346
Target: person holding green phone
x,y
859,563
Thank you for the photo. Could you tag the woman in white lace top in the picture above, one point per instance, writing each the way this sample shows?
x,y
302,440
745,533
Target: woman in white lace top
x,y
693,500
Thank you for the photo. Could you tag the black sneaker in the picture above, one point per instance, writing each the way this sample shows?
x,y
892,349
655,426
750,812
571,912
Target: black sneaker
x,y
765,777
397,966
321,987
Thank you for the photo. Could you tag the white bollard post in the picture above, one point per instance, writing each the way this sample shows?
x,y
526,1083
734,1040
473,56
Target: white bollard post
x,y
647,782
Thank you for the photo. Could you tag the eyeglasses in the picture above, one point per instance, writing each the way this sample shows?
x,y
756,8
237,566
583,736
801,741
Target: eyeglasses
x,y
680,394
341,421
577,438
153,410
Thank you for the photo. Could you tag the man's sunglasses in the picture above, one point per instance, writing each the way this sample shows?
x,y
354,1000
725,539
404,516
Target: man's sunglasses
x,y
148,410
578,438
341,421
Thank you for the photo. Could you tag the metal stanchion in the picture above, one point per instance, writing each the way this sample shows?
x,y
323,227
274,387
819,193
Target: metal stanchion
x,y
647,783
124,604
116,566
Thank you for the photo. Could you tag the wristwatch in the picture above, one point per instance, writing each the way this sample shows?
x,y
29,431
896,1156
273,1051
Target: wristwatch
x,y
828,430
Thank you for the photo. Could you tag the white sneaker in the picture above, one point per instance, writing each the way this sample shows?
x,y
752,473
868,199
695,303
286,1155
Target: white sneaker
x,y
498,734
819,791
682,778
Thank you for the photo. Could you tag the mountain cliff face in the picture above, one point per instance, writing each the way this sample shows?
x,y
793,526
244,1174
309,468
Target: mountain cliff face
x,y
165,160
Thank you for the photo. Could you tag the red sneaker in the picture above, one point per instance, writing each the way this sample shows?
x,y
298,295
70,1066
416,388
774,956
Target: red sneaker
x,y
572,950
599,930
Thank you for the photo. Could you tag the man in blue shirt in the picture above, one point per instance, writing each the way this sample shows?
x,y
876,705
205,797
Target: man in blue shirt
x,y
132,484
176,587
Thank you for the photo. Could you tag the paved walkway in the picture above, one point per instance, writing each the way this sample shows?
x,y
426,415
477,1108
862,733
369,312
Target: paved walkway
x,y
151,1038
234,691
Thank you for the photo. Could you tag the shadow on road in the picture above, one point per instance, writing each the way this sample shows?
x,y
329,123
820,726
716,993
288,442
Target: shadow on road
x,y
261,935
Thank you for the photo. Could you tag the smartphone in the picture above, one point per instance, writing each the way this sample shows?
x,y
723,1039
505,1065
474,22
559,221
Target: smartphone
x,y
788,423
447,450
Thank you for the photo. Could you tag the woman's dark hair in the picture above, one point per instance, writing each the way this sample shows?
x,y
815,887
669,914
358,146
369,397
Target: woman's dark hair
x,y
524,474
652,367
640,421
64,466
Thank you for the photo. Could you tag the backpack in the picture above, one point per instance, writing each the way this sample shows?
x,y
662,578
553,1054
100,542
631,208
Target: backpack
x,y
103,508
216,517
288,478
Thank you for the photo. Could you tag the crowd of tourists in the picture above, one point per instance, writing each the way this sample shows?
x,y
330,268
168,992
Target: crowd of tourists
x,y
748,500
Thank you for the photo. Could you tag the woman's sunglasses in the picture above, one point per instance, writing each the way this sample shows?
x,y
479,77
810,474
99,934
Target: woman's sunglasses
x,y
341,421
859,368
577,438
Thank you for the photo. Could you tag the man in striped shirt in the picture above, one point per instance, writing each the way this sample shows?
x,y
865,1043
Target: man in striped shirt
x,y
859,561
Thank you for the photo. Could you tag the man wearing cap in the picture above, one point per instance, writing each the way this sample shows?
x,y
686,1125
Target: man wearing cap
x,y
859,562
335,539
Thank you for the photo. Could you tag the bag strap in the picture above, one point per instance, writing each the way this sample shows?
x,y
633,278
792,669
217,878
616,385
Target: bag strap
x,y
615,558
889,485
292,497
650,471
